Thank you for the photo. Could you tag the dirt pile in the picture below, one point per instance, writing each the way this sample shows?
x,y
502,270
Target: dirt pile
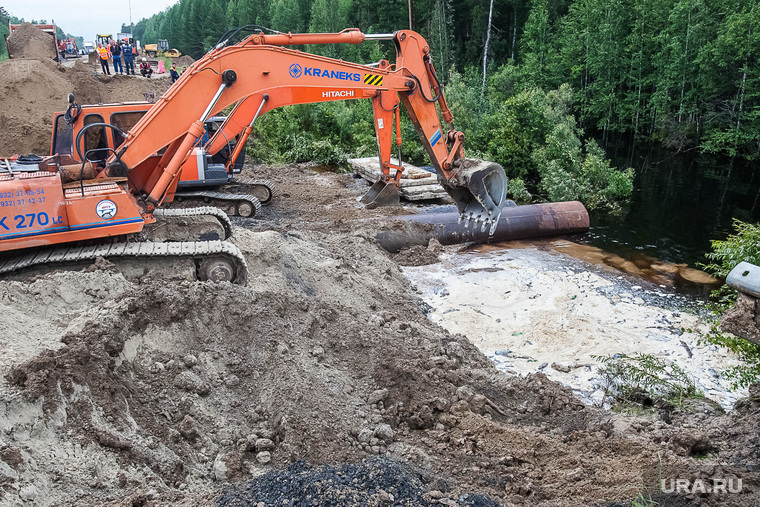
x,y
28,41
376,481
163,391
183,61
34,89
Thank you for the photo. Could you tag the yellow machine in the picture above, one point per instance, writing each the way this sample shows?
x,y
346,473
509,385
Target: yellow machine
x,y
161,49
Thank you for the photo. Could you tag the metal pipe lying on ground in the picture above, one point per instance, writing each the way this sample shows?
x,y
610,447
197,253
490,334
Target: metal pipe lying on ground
x,y
516,222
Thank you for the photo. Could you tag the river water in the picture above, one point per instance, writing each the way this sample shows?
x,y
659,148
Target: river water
x,y
679,204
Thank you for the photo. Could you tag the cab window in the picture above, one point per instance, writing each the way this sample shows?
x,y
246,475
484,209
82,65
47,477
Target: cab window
x,y
124,121
63,139
94,139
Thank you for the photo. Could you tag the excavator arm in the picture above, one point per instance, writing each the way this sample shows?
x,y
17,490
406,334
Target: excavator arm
x,y
260,74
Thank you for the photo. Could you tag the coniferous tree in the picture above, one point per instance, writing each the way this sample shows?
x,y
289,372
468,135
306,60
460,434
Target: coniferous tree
x,y
286,16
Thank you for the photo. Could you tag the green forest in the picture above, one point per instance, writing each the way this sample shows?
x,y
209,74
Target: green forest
x,y
544,87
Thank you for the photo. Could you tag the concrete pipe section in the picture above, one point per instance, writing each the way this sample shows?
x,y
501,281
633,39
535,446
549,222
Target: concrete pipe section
x,y
516,222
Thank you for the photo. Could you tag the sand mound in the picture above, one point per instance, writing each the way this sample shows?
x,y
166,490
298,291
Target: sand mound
x,y
28,41
323,357
166,390
35,89
184,61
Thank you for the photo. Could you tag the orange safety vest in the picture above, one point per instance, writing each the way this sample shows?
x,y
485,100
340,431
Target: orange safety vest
x,y
103,53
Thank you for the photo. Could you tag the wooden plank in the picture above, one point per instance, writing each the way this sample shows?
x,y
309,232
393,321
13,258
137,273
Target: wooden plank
x,y
416,184
423,192
369,169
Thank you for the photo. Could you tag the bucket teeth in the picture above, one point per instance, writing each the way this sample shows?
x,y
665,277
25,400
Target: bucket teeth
x,y
467,219
488,223
480,195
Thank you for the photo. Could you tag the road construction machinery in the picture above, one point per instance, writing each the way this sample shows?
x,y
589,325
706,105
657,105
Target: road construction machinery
x,y
67,48
111,209
211,179
161,48
103,38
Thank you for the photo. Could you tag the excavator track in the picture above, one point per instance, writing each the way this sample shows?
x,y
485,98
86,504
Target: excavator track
x,y
244,205
263,190
215,260
163,214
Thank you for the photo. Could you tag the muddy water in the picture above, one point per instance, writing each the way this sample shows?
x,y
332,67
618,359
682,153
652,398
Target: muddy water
x,y
555,307
678,277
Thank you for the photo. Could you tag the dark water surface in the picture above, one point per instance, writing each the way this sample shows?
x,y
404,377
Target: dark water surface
x,y
679,204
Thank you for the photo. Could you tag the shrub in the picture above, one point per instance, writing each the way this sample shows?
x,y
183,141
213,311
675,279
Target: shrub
x,y
517,191
744,374
631,379
742,246
307,149
726,254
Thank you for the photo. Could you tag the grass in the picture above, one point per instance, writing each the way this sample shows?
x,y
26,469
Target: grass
x,y
640,381
644,500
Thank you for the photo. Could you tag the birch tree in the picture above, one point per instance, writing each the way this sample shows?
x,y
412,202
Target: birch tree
x,y
485,49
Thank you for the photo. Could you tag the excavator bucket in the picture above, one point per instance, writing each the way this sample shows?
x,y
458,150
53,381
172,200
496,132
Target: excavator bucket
x,y
381,194
480,194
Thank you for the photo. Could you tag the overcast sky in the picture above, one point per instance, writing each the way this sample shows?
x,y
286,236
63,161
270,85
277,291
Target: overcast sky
x,y
85,17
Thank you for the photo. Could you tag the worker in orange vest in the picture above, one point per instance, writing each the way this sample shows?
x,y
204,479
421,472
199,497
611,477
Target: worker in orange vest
x,y
104,55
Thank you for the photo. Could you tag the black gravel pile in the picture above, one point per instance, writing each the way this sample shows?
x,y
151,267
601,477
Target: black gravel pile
x,y
375,482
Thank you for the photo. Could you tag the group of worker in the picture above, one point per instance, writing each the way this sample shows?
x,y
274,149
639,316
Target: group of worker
x,y
117,51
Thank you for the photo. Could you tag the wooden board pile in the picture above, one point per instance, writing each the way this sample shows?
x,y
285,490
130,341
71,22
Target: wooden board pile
x,y
416,184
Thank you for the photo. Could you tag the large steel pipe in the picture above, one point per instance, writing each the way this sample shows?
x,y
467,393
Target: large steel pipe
x,y
517,222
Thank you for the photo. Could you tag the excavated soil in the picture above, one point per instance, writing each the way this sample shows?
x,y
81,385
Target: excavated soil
x,y
183,61
28,41
35,88
321,382
150,392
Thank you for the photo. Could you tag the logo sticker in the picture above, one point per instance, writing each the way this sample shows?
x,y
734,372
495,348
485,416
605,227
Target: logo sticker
x,y
338,93
106,209
295,70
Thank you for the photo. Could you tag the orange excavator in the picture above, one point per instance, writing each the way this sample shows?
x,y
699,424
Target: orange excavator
x,y
58,210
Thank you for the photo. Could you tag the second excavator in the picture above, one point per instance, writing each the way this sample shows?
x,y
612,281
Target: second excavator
x,y
85,205
212,179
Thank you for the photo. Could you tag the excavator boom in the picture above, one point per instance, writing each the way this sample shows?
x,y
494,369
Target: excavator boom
x,y
259,74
